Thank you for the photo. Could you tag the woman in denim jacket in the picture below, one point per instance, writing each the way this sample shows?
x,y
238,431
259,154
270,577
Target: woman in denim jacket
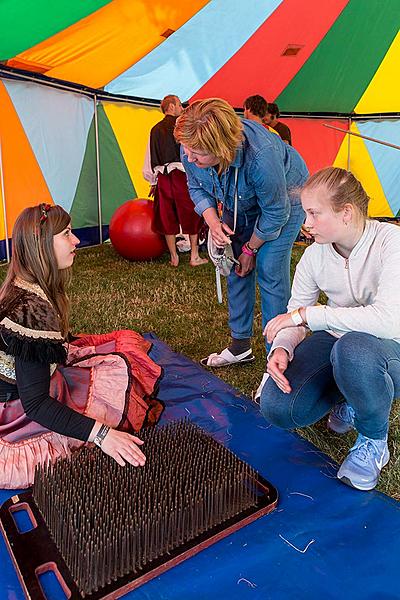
x,y
217,149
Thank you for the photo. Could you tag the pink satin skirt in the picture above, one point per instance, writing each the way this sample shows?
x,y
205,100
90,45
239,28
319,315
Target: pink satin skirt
x,y
107,377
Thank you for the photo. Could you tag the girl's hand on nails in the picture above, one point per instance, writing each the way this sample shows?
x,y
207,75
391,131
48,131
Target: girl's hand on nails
x,y
123,448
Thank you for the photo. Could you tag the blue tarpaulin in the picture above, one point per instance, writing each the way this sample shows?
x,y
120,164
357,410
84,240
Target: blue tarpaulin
x,y
323,540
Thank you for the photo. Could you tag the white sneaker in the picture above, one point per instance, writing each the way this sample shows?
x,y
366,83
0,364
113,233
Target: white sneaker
x,y
362,466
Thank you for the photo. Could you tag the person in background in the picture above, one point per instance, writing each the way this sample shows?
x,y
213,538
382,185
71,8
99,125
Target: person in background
x,y
55,396
226,158
255,108
173,209
271,119
349,367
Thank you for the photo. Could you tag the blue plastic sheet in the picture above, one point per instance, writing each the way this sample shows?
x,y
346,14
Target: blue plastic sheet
x,y
355,535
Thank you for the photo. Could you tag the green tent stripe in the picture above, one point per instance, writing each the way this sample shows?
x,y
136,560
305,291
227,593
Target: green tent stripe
x,y
115,181
84,212
337,73
25,23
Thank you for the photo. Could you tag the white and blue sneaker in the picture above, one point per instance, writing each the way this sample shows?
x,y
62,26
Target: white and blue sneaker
x,y
341,418
362,466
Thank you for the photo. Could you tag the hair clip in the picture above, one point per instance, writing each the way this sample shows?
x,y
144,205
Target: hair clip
x,y
44,209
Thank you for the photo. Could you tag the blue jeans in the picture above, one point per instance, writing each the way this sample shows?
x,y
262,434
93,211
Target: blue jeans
x,y
362,368
272,272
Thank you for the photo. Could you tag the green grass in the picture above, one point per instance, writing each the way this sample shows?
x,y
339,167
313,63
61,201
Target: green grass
x,y
180,307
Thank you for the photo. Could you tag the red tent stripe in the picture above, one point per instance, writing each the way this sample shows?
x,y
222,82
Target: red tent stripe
x,y
259,67
318,145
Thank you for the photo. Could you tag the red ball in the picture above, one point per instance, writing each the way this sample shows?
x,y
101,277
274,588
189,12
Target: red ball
x,y
131,233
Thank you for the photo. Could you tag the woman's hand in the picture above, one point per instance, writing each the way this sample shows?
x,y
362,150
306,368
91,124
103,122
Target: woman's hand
x,y
247,264
276,324
123,448
277,365
220,233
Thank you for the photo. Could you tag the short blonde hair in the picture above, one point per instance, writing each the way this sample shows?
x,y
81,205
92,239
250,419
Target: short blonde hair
x,y
211,126
342,187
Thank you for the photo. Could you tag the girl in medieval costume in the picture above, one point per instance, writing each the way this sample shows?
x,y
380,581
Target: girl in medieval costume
x,y
56,396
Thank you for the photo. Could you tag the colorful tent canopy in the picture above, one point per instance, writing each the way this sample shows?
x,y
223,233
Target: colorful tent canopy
x,y
325,63
340,55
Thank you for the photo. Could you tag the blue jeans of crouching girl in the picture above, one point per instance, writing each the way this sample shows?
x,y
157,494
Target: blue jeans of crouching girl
x,y
362,368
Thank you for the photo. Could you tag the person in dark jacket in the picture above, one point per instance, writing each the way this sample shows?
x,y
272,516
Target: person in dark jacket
x,y
173,210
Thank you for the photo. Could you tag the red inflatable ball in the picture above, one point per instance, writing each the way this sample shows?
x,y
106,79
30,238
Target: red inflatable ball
x,y
131,233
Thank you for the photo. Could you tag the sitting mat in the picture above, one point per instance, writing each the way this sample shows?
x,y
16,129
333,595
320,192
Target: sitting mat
x,y
323,540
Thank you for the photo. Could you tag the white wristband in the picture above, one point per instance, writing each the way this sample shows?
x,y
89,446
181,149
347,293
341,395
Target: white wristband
x,y
296,317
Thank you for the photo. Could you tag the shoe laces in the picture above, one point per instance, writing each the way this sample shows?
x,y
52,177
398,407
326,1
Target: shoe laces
x,y
345,412
366,448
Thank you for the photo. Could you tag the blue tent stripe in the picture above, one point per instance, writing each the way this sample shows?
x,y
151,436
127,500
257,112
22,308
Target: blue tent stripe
x,y
386,160
194,53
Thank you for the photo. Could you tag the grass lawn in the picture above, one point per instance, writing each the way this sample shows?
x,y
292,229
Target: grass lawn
x,y
180,307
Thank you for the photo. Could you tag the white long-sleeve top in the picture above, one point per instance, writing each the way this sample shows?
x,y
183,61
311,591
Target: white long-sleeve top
x,y
363,290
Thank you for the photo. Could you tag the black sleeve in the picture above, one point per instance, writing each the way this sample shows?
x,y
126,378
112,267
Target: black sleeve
x,y
33,383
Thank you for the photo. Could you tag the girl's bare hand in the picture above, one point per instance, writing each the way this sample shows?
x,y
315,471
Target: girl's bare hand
x,y
123,448
277,365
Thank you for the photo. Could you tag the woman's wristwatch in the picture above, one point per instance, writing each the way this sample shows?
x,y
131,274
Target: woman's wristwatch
x,y
246,249
297,318
100,435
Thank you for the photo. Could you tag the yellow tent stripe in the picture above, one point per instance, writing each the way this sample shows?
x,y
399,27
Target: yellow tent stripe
x,y
383,92
362,167
131,126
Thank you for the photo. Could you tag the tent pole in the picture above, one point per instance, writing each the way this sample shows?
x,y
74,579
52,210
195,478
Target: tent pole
x,y
348,144
96,137
364,137
4,205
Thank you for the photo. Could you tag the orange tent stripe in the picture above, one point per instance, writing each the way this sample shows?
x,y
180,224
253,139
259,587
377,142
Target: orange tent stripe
x,y
24,184
100,47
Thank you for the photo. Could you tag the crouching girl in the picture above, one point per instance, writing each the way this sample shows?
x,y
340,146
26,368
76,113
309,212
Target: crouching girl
x,y
349,367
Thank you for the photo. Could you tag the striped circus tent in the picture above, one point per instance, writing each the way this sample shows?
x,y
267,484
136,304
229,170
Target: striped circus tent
x,y
80,84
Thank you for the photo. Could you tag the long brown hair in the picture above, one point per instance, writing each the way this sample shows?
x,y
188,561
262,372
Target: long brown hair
x,y
210,126
33,258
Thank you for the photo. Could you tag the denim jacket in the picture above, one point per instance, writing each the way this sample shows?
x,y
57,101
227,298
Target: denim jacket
x,y
267,170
